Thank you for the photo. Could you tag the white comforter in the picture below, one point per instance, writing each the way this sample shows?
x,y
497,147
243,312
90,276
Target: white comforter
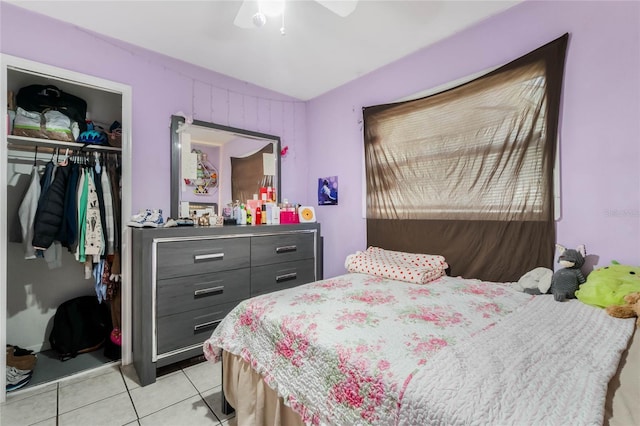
x,y
548,363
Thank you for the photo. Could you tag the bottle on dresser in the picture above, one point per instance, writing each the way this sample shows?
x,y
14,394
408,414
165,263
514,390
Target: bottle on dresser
x,y
257,217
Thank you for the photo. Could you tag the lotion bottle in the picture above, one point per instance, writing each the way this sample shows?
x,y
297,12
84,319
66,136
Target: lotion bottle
x,y
243,216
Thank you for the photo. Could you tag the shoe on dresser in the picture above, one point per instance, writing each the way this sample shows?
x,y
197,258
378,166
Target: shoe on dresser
x,y
138,220
154,220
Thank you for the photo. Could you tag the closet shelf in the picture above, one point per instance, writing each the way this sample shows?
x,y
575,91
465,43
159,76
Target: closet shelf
x,y
26,141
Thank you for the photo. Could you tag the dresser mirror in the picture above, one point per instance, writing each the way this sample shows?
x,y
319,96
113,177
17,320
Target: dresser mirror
x,y
212,165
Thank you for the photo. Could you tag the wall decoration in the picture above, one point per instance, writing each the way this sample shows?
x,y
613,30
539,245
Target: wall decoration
x,y
328,191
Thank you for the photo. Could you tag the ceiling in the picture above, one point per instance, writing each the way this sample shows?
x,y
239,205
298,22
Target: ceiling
x,y
319,52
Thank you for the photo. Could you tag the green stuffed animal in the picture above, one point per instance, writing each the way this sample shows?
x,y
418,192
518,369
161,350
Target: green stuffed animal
x,y
609,285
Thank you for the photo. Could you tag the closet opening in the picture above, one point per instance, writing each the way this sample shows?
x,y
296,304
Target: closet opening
x,y
41,281
40,276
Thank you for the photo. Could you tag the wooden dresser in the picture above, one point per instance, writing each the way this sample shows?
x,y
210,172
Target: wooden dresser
x,y
185,280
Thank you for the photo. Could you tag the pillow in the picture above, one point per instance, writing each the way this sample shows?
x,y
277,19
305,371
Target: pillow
x,y
428,261
409,267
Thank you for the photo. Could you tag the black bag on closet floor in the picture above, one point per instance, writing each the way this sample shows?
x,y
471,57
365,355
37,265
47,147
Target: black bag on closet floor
x,y
39,98
80,325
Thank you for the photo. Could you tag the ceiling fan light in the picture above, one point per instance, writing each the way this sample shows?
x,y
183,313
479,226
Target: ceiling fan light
x,y
271,8
259,19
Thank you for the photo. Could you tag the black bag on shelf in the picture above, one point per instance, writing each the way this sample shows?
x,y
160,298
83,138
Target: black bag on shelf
x,y
39,98
80,325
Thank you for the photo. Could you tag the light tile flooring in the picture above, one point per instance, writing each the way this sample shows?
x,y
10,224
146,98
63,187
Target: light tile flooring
x,y
190,396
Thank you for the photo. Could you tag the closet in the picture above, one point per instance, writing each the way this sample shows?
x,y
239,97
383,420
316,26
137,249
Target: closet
x,y
31,289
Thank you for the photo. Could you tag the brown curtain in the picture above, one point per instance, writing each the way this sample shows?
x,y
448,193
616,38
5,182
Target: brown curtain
x,y
468,173
247,174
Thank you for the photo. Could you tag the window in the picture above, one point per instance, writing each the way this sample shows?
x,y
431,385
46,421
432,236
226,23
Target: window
x,y
473,152
468,173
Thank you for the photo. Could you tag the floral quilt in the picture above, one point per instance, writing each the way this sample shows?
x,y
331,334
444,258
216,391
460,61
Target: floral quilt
x,y
343,350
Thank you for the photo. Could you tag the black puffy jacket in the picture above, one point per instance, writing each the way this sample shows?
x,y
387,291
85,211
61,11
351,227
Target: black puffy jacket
x,y
50,210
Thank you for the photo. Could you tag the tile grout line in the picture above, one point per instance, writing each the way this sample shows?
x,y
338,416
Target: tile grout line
x,y
202,397
57,403
175,403
135,410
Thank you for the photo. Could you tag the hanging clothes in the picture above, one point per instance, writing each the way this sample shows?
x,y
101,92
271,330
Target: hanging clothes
x,y
45,182
83,191
97,181
74,206
114,175
94,238
47,178
51,209
100,288
27,213
68,233
108,209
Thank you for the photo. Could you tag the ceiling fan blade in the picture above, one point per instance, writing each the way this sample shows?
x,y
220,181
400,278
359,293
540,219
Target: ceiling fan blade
x,y
342,8
244,17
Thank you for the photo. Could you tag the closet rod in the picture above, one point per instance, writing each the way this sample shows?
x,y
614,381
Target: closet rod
x,y
44,154
16,141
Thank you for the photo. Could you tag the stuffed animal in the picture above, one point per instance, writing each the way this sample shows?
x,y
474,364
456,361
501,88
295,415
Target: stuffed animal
x,y
609,285
630,310
536,281
566,281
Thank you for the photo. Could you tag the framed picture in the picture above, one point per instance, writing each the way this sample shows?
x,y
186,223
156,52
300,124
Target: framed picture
x,y
328,191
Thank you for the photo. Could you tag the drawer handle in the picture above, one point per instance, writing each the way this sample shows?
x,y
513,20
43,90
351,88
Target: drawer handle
x,y
199,327
286,277
202,291
286,249
212,256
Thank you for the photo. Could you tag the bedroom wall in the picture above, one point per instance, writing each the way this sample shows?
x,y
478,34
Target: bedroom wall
x,y
161,86
600,130
599,124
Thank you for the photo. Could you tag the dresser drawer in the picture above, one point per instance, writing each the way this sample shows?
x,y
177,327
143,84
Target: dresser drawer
x,y
193,257
190,328
268,278
199,291
281,248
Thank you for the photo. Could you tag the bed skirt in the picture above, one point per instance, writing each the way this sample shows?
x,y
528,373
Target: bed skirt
x,y
255,403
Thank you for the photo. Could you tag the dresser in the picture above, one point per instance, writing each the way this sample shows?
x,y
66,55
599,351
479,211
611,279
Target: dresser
x,y
186,279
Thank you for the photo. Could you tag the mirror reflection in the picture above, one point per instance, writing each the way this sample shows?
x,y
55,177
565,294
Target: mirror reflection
x,y
213,165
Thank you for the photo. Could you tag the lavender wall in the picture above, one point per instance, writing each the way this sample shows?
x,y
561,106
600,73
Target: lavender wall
x,y
161,86
600,130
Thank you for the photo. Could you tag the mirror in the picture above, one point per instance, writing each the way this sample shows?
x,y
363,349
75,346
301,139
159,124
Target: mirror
x,y
212,165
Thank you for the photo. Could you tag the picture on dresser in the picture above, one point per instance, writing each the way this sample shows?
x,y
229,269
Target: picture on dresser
x,y
328,191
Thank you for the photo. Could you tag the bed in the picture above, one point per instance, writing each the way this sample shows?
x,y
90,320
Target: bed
x,y
362,349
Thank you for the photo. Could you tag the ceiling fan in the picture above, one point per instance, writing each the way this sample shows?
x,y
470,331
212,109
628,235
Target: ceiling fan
x,y
254,13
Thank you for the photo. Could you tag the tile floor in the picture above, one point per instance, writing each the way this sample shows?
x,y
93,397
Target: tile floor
x,y
190,396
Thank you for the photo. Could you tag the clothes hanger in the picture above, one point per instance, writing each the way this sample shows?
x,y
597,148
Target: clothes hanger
x,y
96,159
35,157
65,159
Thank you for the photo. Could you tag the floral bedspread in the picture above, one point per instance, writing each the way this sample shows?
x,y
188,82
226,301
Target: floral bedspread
x,y
343,350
